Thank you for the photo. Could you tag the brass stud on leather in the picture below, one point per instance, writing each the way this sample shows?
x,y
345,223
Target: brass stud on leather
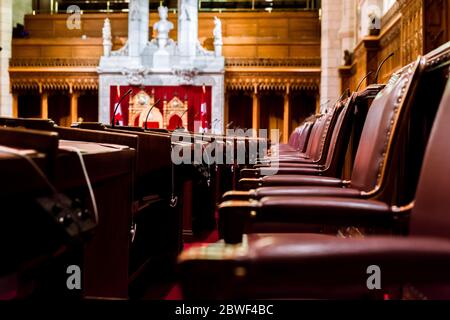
x,y
240,272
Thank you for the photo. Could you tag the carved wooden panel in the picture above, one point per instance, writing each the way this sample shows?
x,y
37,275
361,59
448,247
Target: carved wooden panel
x,y
390,43
360,60
436,22
245,34
76,48
411,30
402,33
51,26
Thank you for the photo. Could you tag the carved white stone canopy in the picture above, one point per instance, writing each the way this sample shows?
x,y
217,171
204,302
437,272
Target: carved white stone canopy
x,y
162,61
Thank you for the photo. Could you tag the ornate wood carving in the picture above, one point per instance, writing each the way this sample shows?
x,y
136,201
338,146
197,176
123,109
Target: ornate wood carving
x,y
411,30
390,43
42,81
268,62
64,74
175,107
365,60
265,81
46,62
272,74
401,33
436,21
140,105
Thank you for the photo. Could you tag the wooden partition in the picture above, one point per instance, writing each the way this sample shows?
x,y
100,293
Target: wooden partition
x,y
402,33
409,29
245,34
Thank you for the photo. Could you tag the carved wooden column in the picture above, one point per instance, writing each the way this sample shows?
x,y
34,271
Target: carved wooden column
x,y
412,30
255,112
74,106
286,115
44,105
15,105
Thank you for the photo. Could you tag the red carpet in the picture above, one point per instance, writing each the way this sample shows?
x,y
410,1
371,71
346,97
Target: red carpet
x,y
174,294
210,237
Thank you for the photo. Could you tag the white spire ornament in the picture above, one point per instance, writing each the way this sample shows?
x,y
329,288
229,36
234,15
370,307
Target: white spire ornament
x,y
217,32
107,38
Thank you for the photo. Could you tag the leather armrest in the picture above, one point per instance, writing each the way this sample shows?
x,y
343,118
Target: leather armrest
x,y
249,183
239,217
302,180
334,211
283,168
293,157
292,165
306,266
249,173
298,155
234,218
299,165
303,191
290,180
238,195
256,194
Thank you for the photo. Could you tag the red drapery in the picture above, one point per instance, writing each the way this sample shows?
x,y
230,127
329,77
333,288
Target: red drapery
x,y
192,93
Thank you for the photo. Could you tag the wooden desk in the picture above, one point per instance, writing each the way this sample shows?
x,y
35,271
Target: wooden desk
x,y
110,168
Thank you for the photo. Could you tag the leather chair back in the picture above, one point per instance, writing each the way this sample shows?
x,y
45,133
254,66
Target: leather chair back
x,y
381,126
322,138
400,183
295,136
330,130
304,137
342,132
314,135
340,136
431,212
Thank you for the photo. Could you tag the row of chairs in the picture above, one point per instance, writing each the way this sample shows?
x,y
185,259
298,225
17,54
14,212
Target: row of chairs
x,y
310,232
298,138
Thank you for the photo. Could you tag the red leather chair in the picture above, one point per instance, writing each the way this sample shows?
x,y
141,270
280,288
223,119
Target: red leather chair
x,y
304,137
320,136
368,172
385,171
344,136
351,116
323,266
316,149
298,139
293,139
373,142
